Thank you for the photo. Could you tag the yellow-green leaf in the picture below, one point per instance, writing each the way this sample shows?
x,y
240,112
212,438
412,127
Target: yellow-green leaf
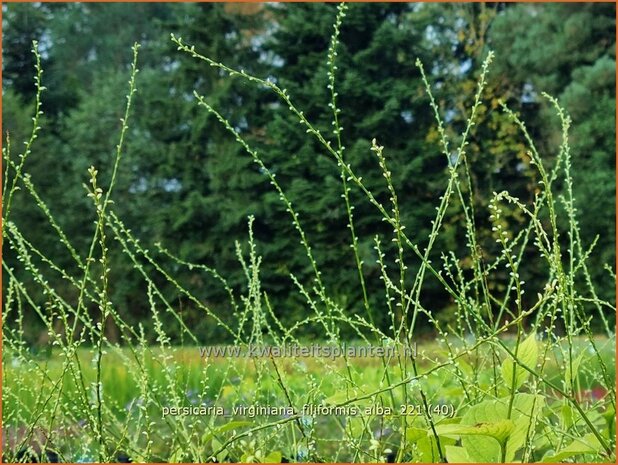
x,y
456,454
527,354
216,445
526,409
499,430
273,457
589,444
414,434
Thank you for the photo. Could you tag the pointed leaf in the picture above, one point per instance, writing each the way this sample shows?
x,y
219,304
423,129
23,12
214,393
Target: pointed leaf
x,y
483,448
527,354
456,454
414,434
589,444
273,457
525,413
498,430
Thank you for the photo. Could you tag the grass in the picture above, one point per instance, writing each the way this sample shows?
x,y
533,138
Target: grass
x,y
500,383
210,382
121,389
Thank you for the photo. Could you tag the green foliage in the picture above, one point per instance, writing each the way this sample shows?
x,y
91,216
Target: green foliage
x,y
513,373
204,186
588,445
569,52
127,293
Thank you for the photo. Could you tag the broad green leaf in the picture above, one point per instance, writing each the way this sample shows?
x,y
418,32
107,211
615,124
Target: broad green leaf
x,y
589,444
273,457
216,445
499,430
483,448
456,454
512,436
566,412
507,374
414,434
527,354
610,420
525,412
427,449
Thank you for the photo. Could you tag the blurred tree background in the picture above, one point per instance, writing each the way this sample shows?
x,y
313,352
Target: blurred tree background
x,y
187,184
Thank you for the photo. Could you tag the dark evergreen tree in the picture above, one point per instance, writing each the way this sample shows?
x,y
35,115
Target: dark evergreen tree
x,y
186,183
568,51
